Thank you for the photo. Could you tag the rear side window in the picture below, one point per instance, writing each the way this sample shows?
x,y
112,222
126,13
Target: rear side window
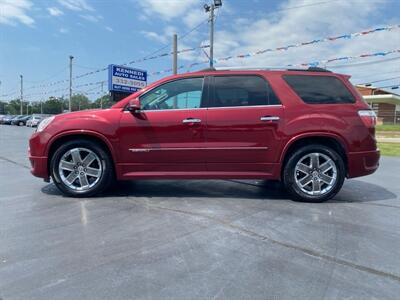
x,y
319,89
242,91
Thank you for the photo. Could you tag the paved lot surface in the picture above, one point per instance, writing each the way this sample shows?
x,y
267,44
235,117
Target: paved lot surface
x,y
195,239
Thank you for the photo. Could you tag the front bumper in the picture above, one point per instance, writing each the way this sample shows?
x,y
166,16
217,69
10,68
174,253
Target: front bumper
x,y
38,156
39,166
363,163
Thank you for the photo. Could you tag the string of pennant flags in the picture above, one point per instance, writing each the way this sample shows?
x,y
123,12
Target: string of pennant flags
x,y
227,58
307,64
239,56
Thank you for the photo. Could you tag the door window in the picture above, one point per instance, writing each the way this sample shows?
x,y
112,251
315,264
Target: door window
x,y
178,94
242,91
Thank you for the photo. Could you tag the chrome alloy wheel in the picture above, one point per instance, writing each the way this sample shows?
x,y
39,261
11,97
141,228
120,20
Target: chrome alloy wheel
x,y
315,174
80,169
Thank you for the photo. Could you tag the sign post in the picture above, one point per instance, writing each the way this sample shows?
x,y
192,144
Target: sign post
x,y
123,81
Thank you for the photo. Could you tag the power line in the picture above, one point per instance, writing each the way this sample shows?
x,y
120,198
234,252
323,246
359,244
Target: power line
x,y
364,63
381,80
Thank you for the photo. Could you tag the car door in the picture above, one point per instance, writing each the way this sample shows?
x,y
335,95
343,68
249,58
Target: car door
x,y
168,134
244,125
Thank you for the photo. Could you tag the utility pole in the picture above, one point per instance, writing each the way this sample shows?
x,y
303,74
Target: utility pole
x,y
101,97
22,91
212,36
70,82
175,54
211,9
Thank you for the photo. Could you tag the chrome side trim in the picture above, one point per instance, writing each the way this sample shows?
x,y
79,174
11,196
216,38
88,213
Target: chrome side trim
x,y
269,118
196,148
139,150
246,106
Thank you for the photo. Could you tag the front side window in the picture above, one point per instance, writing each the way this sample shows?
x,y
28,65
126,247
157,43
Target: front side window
x,y
178,94
319,89
242,91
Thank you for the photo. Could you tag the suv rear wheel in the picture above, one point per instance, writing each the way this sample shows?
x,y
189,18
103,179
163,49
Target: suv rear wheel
x,y
81,168
314,173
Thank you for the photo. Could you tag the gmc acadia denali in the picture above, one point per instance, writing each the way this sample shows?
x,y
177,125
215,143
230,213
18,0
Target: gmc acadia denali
x,y
307,128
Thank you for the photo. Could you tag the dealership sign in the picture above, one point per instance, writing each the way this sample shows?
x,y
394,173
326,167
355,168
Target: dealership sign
x,y
124,79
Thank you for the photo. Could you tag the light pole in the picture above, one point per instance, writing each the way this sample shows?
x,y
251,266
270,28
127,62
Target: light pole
x,y
211,8
175,54
22,91
70,82
101,97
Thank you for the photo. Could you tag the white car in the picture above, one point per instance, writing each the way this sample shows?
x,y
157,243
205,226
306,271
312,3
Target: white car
x,y
34,121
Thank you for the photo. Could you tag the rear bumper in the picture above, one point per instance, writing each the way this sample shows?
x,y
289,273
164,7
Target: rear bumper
x,y
363,163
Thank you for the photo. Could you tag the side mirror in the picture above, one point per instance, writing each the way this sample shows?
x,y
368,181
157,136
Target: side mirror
x,y
134,106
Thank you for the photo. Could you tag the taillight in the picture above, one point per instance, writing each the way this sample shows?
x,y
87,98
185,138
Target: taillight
x,y
368,117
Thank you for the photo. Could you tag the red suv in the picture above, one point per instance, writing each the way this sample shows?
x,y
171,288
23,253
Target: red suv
x,y
307,128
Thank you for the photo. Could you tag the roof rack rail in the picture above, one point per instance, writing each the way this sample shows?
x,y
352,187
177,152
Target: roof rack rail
x,y
309,69
207,70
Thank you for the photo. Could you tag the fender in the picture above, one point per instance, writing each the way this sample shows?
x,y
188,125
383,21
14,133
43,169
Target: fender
x,y
314,134
96,134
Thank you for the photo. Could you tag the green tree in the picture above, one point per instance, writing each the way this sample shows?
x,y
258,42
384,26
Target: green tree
x,y
3,105
104,101
79,102
13,107
53,106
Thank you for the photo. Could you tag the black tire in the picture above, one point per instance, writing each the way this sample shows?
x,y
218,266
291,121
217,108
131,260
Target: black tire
x,y
21,124
289,173
105,179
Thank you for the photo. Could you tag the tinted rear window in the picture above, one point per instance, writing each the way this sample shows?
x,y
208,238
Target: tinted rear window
x,y
248,90
319,89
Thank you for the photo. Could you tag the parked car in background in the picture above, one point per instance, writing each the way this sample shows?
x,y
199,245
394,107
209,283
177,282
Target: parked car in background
x,y
309,129
20,120
1,118
7,119
29,122
36,119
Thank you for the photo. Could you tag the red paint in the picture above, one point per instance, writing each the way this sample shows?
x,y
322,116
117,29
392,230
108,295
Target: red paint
x,y
227,143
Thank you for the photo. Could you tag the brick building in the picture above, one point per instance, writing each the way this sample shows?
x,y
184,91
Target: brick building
x,y
385,104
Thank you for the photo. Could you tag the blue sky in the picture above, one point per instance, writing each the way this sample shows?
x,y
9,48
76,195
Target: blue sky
x,y
36,37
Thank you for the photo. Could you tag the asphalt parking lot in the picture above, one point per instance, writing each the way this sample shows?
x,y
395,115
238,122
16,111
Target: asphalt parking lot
x,y
195,239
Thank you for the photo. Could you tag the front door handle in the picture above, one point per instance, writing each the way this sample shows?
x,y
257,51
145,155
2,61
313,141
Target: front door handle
x,y
270,119
191,120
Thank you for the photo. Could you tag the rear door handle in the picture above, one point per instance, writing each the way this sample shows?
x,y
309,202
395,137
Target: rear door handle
x,y
191,120
270,119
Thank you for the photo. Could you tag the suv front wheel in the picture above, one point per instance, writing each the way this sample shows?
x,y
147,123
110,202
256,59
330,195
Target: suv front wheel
x,y
314,173
81,168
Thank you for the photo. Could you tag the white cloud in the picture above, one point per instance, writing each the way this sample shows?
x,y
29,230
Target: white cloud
x,y
163,38
63,30
54,11
168,9
15,11
194,17
151,35
108,28
91,18
76,5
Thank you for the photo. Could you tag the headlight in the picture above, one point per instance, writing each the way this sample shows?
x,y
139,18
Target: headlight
x,y
45,122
